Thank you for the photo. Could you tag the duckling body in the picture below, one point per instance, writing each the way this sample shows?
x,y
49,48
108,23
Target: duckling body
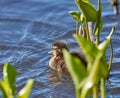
x,y
57,62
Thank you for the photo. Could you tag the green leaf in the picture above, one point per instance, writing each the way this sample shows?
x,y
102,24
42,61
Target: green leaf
x,y
87,9
111,48
98,25
104,44
24,93
5,90
99,70
75,67
94,75
77,16
111,33
103,47
9,74
89,49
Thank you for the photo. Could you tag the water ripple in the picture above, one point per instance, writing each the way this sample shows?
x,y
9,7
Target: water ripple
x,y
27,30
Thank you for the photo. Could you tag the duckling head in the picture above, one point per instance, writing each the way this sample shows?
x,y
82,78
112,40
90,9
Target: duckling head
x,y
57,48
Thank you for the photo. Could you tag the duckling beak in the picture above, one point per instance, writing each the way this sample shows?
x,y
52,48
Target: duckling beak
x,y
50,52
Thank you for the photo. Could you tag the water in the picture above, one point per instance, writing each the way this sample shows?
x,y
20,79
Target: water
x,y
27,30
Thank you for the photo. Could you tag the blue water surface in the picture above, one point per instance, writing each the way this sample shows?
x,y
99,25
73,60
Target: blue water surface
x,y
27,30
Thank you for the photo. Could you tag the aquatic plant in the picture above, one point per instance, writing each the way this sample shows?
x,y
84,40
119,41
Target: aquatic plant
x,y
88,80
87,13
8,87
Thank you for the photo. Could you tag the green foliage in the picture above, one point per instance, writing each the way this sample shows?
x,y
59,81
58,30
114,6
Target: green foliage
x,y
76,69
77,16
5,90
84,79
87,47
24,93
97,71
87,13
9,74
98,25
8,87
87,9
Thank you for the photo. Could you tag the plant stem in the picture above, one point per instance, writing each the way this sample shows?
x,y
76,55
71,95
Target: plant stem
x,y
90,27
95,92
87,32
98,39
77,91
84,31
77,30
102,87
111,57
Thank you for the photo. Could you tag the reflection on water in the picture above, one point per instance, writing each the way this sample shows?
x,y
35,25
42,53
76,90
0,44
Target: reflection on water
x,y
27,30
59,77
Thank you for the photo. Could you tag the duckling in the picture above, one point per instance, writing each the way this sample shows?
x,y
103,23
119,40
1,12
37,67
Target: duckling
x,y
57,62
